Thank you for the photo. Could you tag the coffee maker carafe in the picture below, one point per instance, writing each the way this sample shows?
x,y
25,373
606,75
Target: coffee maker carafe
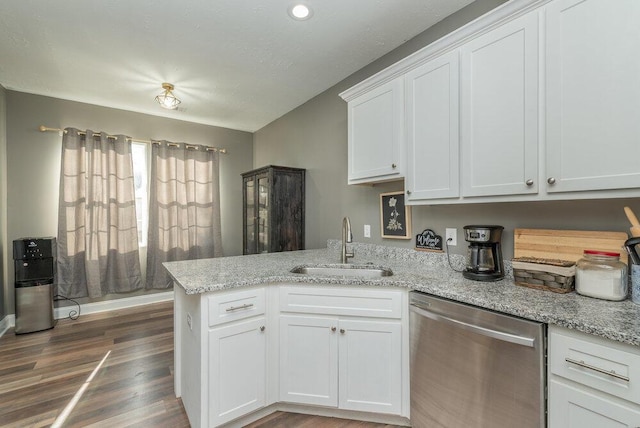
x,y
484,255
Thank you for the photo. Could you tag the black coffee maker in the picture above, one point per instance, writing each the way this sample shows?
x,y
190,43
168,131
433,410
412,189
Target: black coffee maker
x,y
484,255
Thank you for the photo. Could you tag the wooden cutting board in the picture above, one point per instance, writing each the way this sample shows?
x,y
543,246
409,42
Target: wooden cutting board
x,y
565,244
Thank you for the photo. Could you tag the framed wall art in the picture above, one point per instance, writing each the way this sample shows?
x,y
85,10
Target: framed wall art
x,y
395,216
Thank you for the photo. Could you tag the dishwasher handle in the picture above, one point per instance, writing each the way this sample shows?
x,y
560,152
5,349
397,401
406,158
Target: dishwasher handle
x,y
494,334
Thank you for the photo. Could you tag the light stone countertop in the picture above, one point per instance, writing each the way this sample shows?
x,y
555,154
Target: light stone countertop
x,y
420,271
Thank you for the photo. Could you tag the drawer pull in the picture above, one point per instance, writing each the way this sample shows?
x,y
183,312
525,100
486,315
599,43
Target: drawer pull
x,y
235,308
596,369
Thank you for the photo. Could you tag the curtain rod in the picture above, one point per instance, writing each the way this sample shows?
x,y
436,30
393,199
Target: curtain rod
x,y
43,128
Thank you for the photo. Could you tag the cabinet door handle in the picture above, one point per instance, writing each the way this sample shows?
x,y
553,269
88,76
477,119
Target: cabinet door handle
x,y
596,369
333,329
342,331
494,334
408,192
262,328
529,182
551,180
394,166
235,308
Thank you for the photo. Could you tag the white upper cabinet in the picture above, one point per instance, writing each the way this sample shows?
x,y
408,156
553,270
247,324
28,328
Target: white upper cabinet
x,y
535,100
432,106
592,95
376,124
499,92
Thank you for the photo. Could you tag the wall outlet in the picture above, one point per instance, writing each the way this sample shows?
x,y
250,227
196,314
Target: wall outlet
x,y
189,322
367,231
451,233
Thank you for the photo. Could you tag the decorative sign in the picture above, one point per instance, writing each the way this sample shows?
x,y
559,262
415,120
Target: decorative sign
x,y
428,240
395,216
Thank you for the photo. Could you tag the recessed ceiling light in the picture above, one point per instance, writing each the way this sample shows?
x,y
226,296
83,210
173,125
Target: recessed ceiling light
x,y
300,11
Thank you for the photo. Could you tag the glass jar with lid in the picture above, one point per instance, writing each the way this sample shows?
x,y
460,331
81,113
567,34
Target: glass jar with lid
x,y
601,274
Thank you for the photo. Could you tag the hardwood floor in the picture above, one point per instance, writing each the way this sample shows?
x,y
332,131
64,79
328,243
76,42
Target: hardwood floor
x,y
41,372
289,420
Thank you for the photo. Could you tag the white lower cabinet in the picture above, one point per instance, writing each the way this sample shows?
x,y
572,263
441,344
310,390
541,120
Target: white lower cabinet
x,y
348,362
237,370
221,354
579,407
593,382
309,360
369,369
337,347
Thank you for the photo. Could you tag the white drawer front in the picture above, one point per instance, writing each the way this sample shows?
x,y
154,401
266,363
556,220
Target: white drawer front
x,y
342,301
235,305
604,365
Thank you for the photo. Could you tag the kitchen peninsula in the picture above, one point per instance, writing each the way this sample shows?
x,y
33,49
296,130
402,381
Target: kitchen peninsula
x,y
261,296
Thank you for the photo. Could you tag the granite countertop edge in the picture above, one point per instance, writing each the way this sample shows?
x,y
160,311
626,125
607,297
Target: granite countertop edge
x,y
425,272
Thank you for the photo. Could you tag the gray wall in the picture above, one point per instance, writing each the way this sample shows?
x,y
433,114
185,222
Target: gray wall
x,y
314,136
33,159
3,201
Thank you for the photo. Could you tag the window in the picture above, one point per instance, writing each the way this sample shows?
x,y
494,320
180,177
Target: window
x,y
139,154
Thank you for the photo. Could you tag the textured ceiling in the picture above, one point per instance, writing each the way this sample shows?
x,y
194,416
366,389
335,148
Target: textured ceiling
x,y
238,64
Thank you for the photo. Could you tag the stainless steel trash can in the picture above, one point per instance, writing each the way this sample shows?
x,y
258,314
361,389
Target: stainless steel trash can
x,y
34,306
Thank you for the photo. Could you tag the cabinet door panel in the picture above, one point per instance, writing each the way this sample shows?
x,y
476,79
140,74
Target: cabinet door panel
x,y
250,215
237,370
287,212
433,129
370,366
375,134
577,407
500,110
308,360
264,197
593,95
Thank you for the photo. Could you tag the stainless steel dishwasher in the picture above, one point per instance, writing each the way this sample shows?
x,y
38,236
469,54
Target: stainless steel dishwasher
x,y
472,367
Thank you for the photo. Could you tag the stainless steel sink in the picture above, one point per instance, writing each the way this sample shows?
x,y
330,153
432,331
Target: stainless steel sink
x,y
344,270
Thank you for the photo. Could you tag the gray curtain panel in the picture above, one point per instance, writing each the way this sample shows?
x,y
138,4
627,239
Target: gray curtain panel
x,y
97,231
184,208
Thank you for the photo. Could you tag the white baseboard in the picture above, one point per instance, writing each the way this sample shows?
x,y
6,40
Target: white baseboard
x,y
6,323
328,412
112,305
95,307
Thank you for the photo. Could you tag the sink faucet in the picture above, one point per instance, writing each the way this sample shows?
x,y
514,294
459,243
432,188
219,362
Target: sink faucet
x,y
347,237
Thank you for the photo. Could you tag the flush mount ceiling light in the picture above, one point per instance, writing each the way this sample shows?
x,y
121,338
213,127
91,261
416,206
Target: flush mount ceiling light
x,y
166,99
300,11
